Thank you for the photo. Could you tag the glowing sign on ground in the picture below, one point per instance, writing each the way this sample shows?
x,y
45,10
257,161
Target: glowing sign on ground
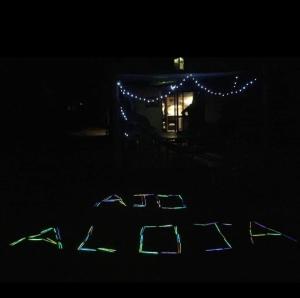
x,y
143,198
272,232
42,237
111,200
103,249
170,201
172,228
165,202
216,225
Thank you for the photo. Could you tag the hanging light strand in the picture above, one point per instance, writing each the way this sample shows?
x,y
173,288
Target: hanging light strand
x,y
173,88
235,82
123,114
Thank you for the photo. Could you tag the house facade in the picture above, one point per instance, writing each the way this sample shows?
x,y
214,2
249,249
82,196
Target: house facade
x,y
209,108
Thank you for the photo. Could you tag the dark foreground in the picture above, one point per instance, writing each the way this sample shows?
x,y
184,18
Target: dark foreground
x,y
58,187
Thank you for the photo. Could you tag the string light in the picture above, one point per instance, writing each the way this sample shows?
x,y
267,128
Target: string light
x,y
235,82
38,237
183,81
123,114
273,233
90,232
215,224
178,250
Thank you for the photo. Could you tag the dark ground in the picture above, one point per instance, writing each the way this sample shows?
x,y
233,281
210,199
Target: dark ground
x,y
56,184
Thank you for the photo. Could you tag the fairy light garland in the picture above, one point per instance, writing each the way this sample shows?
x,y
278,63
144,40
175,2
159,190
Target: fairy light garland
x,y
37,237
125,118
215,224
173,88
235,82
141,245
123,114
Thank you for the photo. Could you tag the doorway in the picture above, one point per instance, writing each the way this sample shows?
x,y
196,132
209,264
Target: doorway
x,y
172,108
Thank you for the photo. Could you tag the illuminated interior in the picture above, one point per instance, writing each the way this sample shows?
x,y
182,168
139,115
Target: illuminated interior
x,y
173,108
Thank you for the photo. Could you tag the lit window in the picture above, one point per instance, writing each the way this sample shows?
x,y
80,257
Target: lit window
x,y
163,108
179,63
188,99
175,108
